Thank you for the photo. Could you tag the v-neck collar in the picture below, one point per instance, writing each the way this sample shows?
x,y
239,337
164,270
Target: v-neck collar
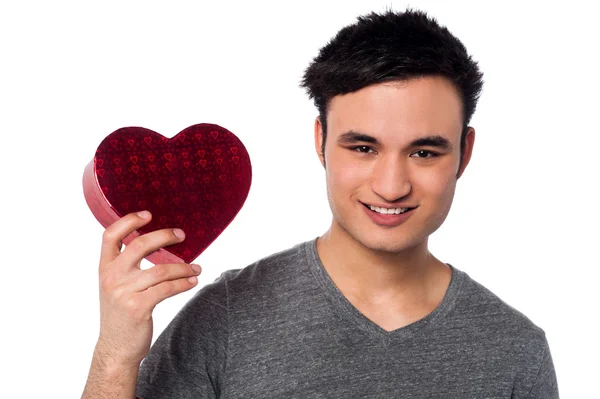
x,y
348,310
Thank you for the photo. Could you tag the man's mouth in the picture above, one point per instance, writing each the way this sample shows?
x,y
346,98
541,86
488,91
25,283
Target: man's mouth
x,y
388,211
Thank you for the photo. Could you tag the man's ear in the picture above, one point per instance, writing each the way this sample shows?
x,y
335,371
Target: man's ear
x,y
467,152
319,140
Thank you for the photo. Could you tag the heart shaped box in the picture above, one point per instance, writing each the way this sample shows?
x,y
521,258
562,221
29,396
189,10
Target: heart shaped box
x,y
197,180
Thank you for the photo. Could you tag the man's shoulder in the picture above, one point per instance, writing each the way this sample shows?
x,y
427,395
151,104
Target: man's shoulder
x,y
502,338
484,310
274,270
272,267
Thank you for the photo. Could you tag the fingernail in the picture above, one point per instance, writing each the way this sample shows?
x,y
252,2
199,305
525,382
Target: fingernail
x,y
193,280
196,268
144,214
179,233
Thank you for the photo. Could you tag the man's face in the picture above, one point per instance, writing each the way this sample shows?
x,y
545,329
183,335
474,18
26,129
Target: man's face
x,y
393,145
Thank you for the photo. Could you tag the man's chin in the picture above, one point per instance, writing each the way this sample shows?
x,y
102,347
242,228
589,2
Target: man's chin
x,y
388,245
381,242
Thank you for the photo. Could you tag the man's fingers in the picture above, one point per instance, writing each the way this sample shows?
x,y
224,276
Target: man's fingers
x,y
144,245
162,273
116,233
167,289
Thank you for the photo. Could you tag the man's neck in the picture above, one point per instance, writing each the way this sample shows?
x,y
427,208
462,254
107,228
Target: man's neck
x,y
378,278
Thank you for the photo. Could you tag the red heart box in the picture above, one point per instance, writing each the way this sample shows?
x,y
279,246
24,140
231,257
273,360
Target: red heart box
x,y
197,180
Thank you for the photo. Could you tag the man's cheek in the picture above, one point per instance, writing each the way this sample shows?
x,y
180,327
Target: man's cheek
x,y
340,173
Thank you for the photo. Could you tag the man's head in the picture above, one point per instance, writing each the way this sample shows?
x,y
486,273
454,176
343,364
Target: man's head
x,y
395,93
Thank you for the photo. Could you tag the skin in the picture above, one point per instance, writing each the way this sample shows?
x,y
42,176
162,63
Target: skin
x,y
388,273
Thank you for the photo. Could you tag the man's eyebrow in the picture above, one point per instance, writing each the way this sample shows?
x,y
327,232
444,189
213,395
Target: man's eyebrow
x,y
352,136
432,141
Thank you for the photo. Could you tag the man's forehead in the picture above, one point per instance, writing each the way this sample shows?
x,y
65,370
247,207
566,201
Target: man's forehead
x,y
390,133
399,110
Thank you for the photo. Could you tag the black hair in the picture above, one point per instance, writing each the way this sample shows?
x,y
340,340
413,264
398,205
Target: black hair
x,y
391,46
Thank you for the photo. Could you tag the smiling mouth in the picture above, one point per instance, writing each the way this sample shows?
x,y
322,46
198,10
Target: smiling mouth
x,y
387,211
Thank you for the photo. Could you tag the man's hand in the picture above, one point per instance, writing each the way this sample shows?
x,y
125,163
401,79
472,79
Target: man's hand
x,y
128,294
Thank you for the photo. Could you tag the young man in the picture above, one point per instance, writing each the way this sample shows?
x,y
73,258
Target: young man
x,y
365,310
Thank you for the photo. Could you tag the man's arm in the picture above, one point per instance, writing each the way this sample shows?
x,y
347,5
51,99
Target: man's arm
x,y
128,296
110,382
545,385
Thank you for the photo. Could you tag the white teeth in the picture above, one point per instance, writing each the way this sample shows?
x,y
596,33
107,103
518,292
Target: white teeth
x,y
385,211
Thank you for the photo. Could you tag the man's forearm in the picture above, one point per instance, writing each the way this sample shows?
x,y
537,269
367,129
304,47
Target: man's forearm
x,y
106,381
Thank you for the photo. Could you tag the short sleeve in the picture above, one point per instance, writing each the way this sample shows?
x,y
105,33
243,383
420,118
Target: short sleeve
x,y
545,385
188,359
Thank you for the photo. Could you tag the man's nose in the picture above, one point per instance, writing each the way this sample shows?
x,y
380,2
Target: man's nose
x,y
390,178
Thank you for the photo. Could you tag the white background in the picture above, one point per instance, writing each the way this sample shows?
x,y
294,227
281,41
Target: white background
x,y
525,217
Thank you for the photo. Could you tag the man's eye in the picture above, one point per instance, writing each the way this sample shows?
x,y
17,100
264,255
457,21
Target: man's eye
x,y
425,154
362,148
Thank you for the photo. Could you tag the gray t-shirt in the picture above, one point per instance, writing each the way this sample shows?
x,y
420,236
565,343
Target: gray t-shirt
x,y
280,328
